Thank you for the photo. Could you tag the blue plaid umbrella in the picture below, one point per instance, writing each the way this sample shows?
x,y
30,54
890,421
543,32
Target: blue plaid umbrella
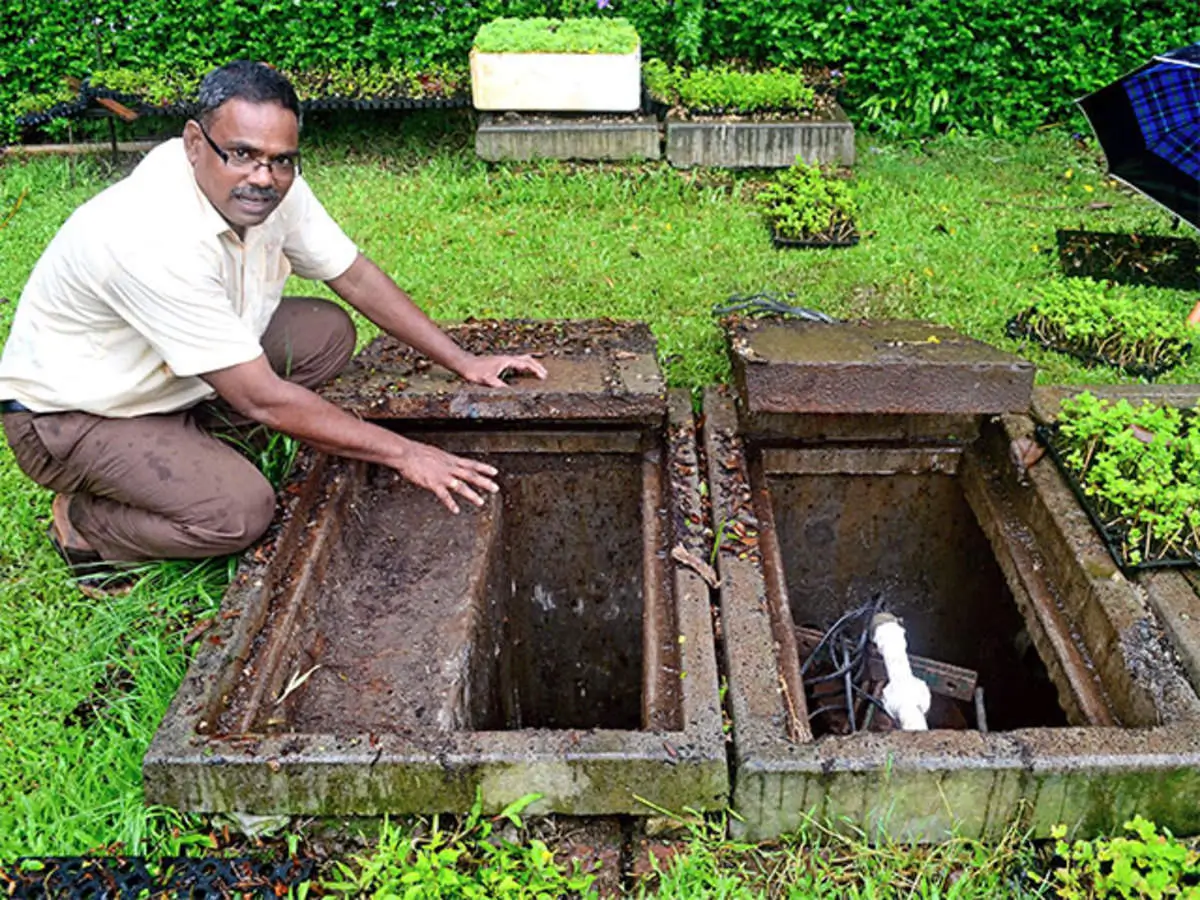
x,y
1148,124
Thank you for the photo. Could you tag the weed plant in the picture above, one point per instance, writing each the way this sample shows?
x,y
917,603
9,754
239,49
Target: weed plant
x,y
1126,327
725,89
1145,864
472,860
806,204
538,35
1141,468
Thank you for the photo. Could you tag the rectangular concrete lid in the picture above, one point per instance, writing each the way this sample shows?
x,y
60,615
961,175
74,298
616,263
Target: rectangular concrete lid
x,y
599,370
874,367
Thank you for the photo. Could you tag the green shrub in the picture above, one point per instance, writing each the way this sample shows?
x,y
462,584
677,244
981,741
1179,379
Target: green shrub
x,y
726,89
1141,467
557,36
803,203
911,68
1147,865
1127,327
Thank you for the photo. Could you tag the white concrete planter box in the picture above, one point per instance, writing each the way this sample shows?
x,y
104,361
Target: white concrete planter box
x,y
556,82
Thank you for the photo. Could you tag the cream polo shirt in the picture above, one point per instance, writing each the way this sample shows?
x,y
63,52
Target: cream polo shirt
x,y
146,287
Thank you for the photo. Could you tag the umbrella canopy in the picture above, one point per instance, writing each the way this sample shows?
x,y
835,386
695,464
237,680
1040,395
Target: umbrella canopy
x,y
1148,124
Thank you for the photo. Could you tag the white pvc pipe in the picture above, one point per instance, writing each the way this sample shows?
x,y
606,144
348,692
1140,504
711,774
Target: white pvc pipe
x,y
905,697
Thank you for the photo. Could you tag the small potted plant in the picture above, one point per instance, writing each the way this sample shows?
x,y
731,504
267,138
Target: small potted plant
x,y
806,207
738,118
1134,469
1127,328
564,65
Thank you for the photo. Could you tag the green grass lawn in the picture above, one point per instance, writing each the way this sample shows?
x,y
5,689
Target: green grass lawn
x,y
956,231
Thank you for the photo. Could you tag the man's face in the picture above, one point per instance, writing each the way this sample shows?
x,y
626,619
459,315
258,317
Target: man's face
x,y
243,193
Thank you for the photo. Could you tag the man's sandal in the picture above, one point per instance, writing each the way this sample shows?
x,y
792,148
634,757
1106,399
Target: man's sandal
x,y
94,577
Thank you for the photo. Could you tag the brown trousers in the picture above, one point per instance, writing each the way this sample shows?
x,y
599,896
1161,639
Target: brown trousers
x,y
163,486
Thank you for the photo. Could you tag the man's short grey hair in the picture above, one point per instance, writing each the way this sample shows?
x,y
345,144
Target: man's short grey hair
x,y
244,80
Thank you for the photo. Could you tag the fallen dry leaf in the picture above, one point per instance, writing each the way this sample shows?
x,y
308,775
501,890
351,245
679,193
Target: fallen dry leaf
x,y
697,565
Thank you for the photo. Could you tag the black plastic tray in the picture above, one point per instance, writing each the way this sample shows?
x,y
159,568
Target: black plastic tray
x,y
1017,330
783,243
131,876
1130,258
1047,435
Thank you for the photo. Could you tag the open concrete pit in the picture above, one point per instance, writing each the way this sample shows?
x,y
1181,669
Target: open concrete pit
x,y
376,654
379,655
869,466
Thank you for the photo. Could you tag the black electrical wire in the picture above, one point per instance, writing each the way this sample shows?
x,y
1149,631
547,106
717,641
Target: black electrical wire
x,y
844,649
767,304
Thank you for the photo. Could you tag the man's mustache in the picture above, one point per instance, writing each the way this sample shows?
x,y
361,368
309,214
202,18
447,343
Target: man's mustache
x,y
251,192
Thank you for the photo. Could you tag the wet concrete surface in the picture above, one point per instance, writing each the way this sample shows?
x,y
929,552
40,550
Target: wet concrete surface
x,y
600,370
889,368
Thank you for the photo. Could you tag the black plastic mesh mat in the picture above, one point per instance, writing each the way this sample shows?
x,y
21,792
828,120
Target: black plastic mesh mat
x,y
121,877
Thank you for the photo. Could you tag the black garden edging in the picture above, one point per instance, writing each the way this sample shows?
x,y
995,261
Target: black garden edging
x,y
1141,259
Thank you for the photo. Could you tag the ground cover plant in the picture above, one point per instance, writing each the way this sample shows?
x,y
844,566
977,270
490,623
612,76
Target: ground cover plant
x,y
722,89
960,232
1129,328
806,206
1142,863
1140,467
541,35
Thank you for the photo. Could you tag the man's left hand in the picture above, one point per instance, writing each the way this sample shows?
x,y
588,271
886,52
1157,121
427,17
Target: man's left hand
x,y
490,370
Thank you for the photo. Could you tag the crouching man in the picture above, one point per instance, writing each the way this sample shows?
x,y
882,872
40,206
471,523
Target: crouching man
x,y
155,318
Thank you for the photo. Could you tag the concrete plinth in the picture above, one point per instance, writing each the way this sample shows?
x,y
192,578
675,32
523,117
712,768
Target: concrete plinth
x,y
746,144
872,368
501,138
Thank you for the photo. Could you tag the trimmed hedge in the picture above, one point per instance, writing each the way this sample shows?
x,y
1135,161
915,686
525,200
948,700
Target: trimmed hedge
x,y
912,66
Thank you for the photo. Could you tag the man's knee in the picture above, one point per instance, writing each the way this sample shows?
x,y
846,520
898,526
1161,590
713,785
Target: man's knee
x,y
309,340
241,518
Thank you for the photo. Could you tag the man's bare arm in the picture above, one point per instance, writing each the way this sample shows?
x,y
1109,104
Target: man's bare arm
x,y
368,289
255,391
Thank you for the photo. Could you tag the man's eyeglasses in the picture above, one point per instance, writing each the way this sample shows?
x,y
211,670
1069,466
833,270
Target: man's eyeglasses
x,y
286,165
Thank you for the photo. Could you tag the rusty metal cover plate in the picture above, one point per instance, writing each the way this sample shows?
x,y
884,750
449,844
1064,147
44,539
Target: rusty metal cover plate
x,y
788,366
599,370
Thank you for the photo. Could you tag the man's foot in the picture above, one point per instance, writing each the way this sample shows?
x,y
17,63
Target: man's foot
x,y
67,536
93,576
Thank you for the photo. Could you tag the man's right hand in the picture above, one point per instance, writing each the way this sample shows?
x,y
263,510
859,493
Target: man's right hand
x,y
444,473
255,391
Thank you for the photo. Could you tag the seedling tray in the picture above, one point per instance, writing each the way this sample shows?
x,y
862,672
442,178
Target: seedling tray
x,y
1146,259
132,876
783,243
1016,328
1047,435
